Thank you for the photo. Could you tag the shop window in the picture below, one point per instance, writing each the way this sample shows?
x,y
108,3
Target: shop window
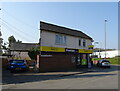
x,y
78,60
60,39
73,59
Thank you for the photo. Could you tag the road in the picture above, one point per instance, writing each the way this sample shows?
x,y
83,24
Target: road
x,y
103,78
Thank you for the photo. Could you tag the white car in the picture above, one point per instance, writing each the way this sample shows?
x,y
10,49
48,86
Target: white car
x,y
103,63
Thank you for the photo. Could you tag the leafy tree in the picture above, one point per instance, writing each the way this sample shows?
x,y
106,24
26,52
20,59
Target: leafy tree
x,y
1,41
6,46
33,53
19,41
1,46
11,39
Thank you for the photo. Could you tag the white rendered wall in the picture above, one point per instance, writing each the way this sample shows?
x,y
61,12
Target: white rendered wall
x,y
109,54
48,39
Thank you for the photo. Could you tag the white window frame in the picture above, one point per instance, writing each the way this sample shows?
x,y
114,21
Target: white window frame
x,y
60,39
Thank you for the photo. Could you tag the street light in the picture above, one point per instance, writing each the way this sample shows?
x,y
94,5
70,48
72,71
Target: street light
x,y
105,38
94,47
0,27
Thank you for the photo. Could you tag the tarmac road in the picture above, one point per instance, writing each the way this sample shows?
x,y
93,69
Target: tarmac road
x,y
100,78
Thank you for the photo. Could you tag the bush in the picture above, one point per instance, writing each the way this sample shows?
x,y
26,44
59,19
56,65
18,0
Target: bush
x,y
33,53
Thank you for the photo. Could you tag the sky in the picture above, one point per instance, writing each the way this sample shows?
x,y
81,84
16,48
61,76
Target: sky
x,y
22,20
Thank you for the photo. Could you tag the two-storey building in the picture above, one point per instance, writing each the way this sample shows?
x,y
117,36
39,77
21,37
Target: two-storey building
x,y
63,48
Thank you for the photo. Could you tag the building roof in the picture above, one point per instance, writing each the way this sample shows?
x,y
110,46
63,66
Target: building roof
x,y
63,30
23,46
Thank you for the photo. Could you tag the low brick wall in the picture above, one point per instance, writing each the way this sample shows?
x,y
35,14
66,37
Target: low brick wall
x,y
4,62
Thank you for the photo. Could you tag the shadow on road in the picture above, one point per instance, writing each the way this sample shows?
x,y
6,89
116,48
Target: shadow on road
x,y
22,77
104,69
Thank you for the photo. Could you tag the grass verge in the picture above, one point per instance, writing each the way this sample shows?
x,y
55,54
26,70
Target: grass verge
x,y
115,60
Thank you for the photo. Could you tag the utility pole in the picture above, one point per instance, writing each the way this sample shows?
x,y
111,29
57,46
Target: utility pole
x,y
105,38
1,40
99,50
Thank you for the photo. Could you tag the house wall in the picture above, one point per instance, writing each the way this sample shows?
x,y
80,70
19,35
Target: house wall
x,y
48,39
22,55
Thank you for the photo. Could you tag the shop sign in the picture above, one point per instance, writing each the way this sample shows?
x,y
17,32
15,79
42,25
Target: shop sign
x,y
52,49
85,51
46,55
71,50
91,46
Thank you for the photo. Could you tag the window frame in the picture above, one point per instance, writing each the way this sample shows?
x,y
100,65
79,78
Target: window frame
x,y
60,39
80,42
84,43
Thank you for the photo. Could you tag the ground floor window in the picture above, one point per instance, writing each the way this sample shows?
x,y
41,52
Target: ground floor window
x,y
73,59
83,59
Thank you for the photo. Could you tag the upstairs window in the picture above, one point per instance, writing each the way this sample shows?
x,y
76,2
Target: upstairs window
x,y
60,39
79,42
84,43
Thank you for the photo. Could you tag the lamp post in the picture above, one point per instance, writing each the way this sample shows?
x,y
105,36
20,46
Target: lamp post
x,y
105,38
99,49
94,48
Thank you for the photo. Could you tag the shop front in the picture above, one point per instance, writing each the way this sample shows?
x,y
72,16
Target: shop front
x,y
59,59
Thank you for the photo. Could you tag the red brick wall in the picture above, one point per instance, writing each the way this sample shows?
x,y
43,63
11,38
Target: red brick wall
x,y
56,63
4,61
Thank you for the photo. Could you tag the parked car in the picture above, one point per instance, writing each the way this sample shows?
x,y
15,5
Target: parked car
x,y
103,63
18,65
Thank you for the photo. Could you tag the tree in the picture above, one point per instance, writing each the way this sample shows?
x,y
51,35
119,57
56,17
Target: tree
x,y
1,41
19,41
33,53
11,39
5,48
